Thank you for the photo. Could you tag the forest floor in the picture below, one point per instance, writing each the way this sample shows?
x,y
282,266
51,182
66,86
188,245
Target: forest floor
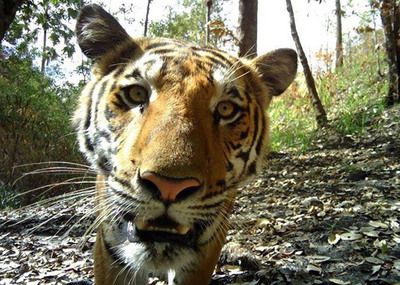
x,y
329,216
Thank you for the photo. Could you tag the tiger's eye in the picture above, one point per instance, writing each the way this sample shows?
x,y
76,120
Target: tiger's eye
x,y
137,95
226,109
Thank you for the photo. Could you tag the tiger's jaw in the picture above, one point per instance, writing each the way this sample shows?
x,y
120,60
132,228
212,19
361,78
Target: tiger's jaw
x,y
163,244
154,249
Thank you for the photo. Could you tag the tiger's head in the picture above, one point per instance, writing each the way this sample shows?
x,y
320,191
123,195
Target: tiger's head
x,y
172,129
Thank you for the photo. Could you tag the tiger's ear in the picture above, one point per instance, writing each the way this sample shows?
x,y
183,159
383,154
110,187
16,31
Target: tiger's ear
x,y
277,69
97,31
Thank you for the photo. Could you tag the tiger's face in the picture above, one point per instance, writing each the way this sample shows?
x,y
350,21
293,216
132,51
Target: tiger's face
x,y
172,129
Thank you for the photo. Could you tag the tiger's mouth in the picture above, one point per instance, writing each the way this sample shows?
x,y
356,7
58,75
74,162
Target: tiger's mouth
x,y
162,230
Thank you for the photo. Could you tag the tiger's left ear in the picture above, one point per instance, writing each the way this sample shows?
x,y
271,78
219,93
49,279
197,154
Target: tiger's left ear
x,y
98,32
277,69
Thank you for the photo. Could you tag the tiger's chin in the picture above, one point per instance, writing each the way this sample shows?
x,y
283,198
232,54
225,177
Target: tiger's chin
x,y
153,248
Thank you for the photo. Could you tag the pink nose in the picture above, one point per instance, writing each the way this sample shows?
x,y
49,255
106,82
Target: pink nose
x,y
170,188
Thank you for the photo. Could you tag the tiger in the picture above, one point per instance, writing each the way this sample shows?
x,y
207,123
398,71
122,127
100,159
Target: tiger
x,y
172,129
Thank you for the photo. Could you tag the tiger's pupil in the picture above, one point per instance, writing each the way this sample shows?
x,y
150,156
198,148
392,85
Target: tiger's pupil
x,y
225,109
138,94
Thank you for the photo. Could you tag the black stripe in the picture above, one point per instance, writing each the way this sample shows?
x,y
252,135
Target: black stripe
x,y
256,118
89,107
164,51
88,142
156,45
244,134
123,182
234,93
120,102
221,183
244,155
229,166
135,74
214,55
209,206
108,113
100,94
213,194
262,136
122,58
96,107
104,163
252,169
126,196
118,71
208,57
237,121
104,134
113,253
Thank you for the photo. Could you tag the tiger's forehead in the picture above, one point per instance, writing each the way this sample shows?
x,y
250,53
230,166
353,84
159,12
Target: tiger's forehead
x,y
182,61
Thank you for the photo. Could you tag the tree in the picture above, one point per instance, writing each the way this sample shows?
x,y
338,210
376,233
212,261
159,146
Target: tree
x,y
320,111
8,10
248,28
189,24
208,4
146,20
34,122
49,18
339,39
390,16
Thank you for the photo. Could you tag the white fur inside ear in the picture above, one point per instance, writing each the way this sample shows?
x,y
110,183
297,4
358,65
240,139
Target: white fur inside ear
x,y
171,277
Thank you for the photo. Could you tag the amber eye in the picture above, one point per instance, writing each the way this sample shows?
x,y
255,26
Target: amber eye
x,y
226,109
135,95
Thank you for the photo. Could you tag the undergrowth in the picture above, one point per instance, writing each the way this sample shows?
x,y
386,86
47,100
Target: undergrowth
x,y
351,95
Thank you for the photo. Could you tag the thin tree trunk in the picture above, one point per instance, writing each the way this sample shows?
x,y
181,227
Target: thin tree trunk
x,y
248,28
321,114
44,48
396,26
339,39
208,20
146,20
378,58
388,12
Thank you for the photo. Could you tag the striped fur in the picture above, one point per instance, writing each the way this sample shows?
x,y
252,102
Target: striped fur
x,y
203,117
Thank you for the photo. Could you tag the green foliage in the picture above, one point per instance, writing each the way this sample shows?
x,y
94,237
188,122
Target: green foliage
x,y
54,16
352,96
34,121
187,24
7,197
356,95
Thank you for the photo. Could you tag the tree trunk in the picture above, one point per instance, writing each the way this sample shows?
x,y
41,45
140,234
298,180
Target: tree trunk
x,y
396,25
248,28
339,39
389,12
376,42
8,9
146,20
320,111
208,20
44,48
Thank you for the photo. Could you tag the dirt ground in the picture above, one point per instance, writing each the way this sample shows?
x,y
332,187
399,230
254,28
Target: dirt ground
x,y
329,216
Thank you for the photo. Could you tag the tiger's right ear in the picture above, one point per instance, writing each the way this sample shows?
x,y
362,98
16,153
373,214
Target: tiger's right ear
x,y
98,32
